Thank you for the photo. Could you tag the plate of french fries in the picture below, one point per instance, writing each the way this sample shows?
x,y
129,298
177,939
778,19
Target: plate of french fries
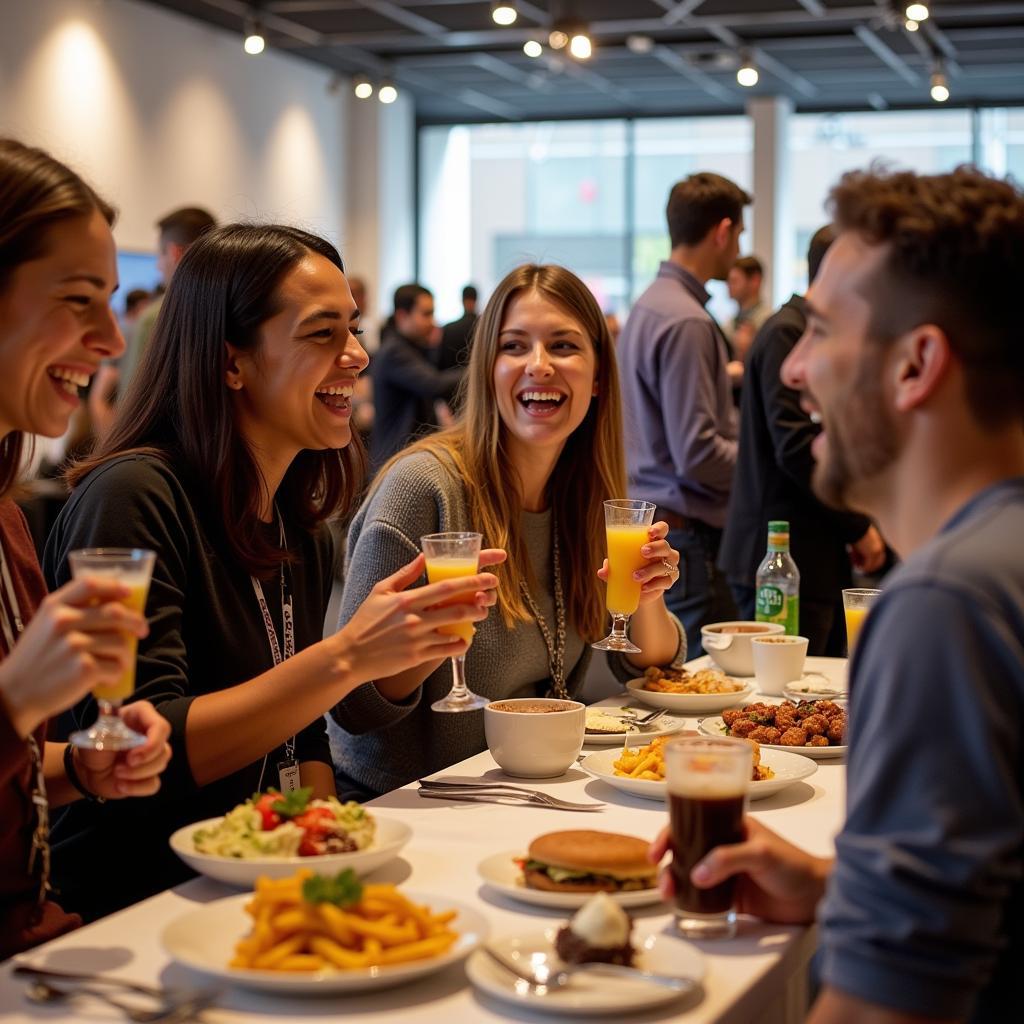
x,y
640,770
316,934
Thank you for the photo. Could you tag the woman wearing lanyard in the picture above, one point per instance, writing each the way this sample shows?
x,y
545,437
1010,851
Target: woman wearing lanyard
x,y
57,272
229,452
539,448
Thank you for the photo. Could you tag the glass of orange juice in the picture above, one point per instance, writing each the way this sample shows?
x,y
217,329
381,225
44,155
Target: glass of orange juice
x,y
626,524
134,568
857,603
449,556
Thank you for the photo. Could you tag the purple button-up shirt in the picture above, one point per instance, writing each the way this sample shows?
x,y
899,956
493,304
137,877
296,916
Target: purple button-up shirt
x,y
680,421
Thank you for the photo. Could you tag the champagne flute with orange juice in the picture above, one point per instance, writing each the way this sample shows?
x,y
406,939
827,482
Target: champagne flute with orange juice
x,y
451,556
626,525
857,602
134,568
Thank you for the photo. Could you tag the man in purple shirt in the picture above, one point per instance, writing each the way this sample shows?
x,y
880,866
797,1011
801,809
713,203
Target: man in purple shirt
x,y
680,419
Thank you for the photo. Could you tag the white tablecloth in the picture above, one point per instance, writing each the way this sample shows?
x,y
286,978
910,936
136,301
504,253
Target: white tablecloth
x,y
758,976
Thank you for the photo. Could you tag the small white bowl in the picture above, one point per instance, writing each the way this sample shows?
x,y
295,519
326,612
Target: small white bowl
x,y
535,744
731,651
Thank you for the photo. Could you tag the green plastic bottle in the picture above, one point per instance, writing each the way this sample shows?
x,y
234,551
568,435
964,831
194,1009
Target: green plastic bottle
x,y
778,581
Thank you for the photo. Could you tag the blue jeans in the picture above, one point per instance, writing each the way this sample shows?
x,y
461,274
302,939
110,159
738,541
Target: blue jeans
x,y
701,594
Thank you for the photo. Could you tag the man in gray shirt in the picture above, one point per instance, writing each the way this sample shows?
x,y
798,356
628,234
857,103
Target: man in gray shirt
x,y
680,419
912,356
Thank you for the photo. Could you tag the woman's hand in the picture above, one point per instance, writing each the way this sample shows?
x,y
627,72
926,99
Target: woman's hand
x,y
661,570
75,642
135,772
396,628
777,880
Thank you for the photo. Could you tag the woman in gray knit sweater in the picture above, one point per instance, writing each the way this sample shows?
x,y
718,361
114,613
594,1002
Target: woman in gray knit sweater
x,y
535,454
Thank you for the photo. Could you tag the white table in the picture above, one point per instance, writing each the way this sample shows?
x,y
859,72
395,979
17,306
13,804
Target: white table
x,y
759,976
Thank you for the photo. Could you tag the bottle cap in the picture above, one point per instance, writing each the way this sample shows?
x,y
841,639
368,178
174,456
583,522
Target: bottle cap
x,y
778,526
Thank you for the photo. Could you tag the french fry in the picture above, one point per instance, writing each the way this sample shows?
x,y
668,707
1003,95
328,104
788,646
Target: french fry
x,y
336,954
270,959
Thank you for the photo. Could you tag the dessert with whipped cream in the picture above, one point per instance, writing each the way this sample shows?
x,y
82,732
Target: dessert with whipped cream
x,y
598,933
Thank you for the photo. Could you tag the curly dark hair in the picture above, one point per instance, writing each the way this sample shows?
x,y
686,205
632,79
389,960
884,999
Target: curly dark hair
x,y
955,251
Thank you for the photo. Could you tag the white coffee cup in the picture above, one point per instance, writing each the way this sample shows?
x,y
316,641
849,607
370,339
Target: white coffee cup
x,y
778,661
541,743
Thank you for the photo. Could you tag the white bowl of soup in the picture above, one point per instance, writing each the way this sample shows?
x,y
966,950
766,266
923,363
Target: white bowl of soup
x,y
728,643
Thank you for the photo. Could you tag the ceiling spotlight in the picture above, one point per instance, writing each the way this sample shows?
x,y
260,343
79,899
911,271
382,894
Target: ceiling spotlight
x,y
504,12
254,40
532,48
910,25
362,87
580,46
746,73
387,93
940,87
639,44
916,12
557,39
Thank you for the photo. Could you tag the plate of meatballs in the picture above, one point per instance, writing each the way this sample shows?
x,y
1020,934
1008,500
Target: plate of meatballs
x,y
817,728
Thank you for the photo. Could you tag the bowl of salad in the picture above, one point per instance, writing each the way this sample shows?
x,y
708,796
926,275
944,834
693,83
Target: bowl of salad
x,y
273,833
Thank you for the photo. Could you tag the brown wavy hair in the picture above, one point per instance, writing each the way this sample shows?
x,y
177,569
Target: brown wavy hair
x,y
36,192
177,406
591,467
956,248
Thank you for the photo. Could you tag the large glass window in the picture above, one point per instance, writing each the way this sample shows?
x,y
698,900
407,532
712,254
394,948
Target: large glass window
x,y
1001,142
495,196
823,146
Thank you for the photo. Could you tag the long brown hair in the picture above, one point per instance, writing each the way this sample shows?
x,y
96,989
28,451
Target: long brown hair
x,y
36,192
591,467
178,407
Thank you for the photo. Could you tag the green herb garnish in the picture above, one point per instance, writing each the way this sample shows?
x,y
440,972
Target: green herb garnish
x,y
291,805
343,890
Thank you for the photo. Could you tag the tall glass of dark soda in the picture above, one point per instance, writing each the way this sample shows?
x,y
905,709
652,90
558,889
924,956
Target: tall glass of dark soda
x,y
707,789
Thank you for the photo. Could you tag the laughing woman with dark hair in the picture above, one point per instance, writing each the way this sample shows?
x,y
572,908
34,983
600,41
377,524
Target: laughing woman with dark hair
x,y
231,449
57,272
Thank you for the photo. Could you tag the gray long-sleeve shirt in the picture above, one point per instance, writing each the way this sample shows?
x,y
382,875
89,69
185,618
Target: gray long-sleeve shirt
x,y
680,420
380,744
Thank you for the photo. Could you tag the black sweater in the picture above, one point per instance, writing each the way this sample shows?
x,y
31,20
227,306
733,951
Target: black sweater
x,y
206,634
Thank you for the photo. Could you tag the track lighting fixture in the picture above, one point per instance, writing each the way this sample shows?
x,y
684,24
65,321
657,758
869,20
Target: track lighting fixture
x,y
362,87
503,12
747,74
254,42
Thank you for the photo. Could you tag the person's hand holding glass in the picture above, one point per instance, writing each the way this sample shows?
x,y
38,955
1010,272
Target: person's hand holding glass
x,y
133,568
641,566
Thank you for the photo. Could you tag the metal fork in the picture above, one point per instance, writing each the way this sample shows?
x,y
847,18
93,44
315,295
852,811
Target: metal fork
x,y
497,791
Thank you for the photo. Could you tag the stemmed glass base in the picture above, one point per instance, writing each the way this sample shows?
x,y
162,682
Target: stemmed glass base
x,y
459,697
617,640
108,732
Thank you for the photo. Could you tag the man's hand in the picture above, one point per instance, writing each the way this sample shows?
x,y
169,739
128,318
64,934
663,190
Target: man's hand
x,y
135,772
776,880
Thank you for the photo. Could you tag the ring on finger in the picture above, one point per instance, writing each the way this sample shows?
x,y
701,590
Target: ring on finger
x,y
670,569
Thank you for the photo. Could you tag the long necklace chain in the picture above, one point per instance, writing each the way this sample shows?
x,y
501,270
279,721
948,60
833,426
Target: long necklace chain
x,y
556,647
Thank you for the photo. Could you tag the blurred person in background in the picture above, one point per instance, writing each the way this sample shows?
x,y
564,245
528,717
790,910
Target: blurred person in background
x,y
456,336
177,231
58,270
677,395
744,281
773,481
411,395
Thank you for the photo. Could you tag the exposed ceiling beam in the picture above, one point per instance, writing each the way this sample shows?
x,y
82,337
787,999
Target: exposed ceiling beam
x,y
783,73
409,19
815,7
676,12
884,53
470,97
701,79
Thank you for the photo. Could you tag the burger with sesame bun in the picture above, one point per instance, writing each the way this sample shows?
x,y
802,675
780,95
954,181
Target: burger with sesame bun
x,y
588,861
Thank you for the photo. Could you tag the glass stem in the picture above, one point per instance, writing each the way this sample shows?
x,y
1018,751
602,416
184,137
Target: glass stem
x,y
459,690
619,623
108,708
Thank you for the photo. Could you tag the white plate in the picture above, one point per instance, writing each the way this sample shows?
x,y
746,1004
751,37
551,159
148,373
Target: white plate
x,y
391,836
788,765
814,686
688,703
664,726
587,994
501,872
205,939
716,727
